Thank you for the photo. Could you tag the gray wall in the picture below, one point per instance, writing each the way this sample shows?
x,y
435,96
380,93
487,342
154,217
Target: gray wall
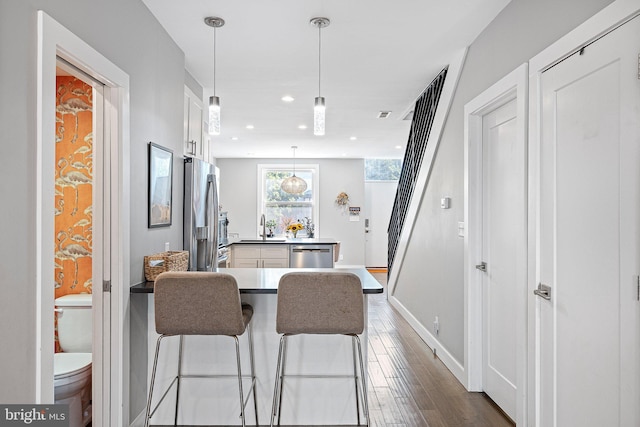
x,y
431,278
125,32
238,196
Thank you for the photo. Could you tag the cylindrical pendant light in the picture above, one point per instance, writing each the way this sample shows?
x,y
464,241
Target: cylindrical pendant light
x,y
319,105
214,101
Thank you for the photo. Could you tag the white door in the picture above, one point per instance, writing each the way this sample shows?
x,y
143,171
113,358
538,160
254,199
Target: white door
x,y
503,187
379,197
587,359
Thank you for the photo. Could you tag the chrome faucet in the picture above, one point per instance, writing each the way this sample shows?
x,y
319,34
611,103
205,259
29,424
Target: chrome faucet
x,y
263,223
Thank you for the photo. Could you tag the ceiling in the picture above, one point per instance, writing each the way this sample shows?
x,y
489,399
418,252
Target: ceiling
x,y
377,55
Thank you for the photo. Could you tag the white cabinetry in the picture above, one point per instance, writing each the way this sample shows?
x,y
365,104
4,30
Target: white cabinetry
x,y
260,256
193,125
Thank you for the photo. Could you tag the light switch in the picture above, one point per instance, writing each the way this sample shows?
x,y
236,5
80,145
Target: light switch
x,y
445,202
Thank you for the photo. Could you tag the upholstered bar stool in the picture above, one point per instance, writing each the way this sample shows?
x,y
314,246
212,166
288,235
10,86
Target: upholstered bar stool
x,y
201,303
320,303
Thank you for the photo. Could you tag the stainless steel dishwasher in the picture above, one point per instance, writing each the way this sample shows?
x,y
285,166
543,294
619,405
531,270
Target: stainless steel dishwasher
x,y
311,256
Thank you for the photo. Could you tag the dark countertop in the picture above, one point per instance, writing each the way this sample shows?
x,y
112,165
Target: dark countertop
x,y
265,280
281,241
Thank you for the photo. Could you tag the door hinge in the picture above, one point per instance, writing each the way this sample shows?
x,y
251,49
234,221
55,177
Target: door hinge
x,y
482,266
106,286
637,288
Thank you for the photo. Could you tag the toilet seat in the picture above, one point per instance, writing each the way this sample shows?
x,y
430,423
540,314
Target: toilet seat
x,y
67,367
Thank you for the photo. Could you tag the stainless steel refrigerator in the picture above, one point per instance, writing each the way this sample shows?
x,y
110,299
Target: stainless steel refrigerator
x,y
200,215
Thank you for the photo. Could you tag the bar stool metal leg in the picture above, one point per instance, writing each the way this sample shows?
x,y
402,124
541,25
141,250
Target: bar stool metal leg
x,y
355,377
283,367
363,382
179,377
253,371
153,380
278,384
240,380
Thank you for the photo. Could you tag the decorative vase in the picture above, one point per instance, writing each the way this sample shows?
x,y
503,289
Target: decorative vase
x,y
295,233
310,234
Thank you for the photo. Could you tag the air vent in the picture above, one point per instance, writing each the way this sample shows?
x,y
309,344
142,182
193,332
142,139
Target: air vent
x,y
409,116
383,114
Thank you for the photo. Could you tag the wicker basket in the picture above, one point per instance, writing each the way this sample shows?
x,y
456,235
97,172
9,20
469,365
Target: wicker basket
x,y
165,261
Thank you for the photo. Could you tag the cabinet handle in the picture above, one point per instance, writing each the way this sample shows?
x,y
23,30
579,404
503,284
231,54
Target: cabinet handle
x,y
194,145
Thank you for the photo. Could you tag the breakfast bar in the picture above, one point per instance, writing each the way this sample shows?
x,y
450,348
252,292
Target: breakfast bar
x,y
212,402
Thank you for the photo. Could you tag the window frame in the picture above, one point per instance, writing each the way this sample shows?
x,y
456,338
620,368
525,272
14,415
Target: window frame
x,y
314,168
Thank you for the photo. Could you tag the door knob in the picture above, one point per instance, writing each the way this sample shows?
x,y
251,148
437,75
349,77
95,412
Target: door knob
x,y
543,291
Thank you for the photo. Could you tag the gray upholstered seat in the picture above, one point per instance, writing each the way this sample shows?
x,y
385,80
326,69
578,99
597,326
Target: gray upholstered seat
x,y
320,303
201,303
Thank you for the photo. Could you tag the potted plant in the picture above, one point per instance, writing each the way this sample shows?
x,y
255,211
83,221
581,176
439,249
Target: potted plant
x,y
271,224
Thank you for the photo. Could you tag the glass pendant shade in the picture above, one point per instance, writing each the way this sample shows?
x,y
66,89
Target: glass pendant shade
x,y
214,115
318,116
294,185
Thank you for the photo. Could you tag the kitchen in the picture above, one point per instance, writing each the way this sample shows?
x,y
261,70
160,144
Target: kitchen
x,y
154,66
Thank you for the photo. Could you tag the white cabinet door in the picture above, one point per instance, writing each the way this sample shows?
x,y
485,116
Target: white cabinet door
x,y
193,125
261,256
246,263
275,263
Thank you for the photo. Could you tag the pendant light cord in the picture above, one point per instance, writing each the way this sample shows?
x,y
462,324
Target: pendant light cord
x,y
319,56
214,61
294,161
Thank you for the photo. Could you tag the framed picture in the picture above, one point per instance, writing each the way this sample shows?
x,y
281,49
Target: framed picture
x,y
160,184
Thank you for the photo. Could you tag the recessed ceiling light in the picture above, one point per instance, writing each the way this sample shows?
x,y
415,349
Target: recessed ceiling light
x,y
287,98
249,126
398,146
302,127
353,138
383,114
234,138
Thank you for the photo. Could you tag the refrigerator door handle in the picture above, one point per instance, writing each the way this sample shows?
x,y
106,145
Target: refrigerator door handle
x,y
211,208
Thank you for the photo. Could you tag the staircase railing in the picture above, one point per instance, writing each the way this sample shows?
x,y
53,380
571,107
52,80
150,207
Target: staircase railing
x,y
423,115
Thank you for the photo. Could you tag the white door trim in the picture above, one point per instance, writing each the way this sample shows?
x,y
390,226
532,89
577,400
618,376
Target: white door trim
x,y
513,86
111,361
603,22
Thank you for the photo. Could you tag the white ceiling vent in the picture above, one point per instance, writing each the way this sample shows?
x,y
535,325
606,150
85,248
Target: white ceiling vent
x,y
383,114
408,116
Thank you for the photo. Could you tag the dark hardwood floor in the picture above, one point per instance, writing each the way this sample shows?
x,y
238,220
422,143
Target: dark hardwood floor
x,y
408,386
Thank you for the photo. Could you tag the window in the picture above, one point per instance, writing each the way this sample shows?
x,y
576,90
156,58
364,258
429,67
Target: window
x,y
282,208
382,169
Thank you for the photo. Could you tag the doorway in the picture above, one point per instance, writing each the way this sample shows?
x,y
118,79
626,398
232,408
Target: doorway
x,y
109,210
379,197
496,242
587,309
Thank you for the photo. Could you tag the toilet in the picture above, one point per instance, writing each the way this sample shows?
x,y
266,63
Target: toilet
x,y
72,367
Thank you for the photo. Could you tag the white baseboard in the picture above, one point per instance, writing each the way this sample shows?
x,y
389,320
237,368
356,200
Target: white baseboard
x,y
447,358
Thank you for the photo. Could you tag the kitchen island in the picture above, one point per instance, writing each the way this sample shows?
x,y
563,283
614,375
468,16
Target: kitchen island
x,y
305,401
279,253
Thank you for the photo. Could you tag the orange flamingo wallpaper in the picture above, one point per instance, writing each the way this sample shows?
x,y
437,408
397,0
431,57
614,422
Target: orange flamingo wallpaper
x,y
74,186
